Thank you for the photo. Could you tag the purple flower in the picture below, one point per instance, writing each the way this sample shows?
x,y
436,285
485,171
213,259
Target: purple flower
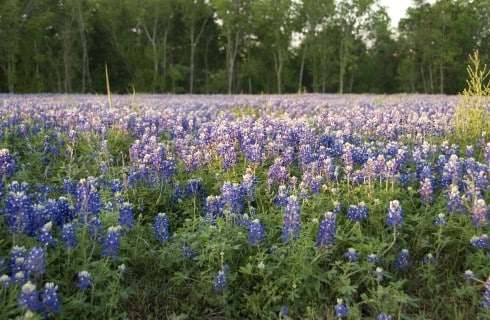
x,y
454,202
126,216
372,258
469,275
402,261
45,238
35,263
161,227
426,191
28,298
256,232
481,242
282,196
341,309
357,213
220,280
327,230
84,280
440,220
395,215
248,186
378,273
292,219
429,259
352,255
68,236
7,164
50,303
383,316
213,208
112,242
480,213
486,294
284,312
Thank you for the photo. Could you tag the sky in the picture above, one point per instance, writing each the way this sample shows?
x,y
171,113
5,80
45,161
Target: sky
x,y
397,9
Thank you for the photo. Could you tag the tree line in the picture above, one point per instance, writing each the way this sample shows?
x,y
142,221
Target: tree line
x,y
239,46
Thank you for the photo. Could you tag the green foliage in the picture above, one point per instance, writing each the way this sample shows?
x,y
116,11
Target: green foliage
x,y
471,120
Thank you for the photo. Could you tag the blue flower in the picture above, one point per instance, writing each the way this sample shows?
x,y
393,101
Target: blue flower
x,y
440,220
112,242
383,316
45,238
49,299
480,242
372,258
292,219
28,298
161,227
68,236
220,280
327,230
341,309
395,215
402,261
126,216
429,259
35,262
84,280
352,255
256,232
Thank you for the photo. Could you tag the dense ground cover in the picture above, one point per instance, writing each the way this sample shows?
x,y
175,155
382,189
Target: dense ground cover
x,y
227,207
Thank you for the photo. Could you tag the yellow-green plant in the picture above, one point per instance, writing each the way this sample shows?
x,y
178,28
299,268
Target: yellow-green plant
x,y
471,119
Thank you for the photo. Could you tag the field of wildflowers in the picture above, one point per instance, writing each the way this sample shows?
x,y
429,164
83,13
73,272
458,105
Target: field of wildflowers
x,y
241,207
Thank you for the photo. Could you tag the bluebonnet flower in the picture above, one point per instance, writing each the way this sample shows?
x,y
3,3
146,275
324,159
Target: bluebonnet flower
x,y
95,228
486,294
45,238
277,173
292,219
28,298
480,213
232,196
454,202
194,188
256,232
248,185
402,261
352,255
18,213
35,262
480,242
357,213
327,230
440,220
486,153
341,309
126,215
161,227
188,253
88,199
68,236
426,191
17,257
378,273
469,275
372,258
19,277
213,208
383,316
284,312
84,280
112,242
220,280
282,196
395,215
50,303
5,280
7,164
429,259
253,153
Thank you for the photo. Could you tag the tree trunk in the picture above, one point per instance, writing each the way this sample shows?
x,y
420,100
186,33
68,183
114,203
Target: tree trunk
x,y
83,40
441,71
302,68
